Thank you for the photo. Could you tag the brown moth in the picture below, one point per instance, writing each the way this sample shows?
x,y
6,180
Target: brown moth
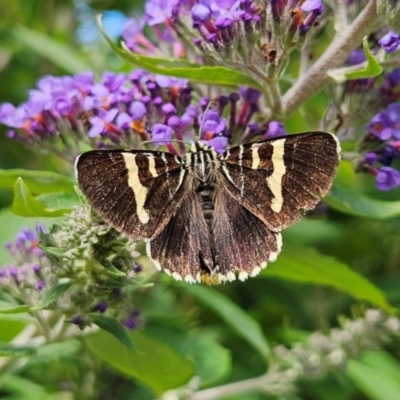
x,y
206,216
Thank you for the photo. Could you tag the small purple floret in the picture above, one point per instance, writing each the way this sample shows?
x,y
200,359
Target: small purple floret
x,y
387,178
390,42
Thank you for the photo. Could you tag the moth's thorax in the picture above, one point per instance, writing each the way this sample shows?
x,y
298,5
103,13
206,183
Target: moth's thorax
x,y
202,161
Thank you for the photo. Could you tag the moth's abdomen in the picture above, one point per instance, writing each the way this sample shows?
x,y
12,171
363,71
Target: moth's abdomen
x,y
206,195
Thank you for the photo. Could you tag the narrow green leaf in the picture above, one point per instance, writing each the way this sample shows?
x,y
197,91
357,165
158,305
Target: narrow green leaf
x,y
38,181
7,350
111,325
64,56
26,205
154,363
352,203
52,294
237,319
183,69
305,265
371,70
13,309
377,375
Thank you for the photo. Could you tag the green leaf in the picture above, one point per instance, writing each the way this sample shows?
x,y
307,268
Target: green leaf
x,y
212,361
64,56
26,205
377,375
111,325
38,181
237,319
52,294
13,309
59,201
305,265
349,202
22,389
7,350
155,364
183,69
371,70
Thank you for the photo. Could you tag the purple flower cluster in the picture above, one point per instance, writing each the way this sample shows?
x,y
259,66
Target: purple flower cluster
x,y
219,28
384,127
123,110
28,276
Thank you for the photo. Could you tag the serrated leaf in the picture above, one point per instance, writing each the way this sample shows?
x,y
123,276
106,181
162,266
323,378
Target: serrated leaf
x,y
305,265
237,319
114,327
216,75
39,182
26,205
52,294
154,363
60,54
371,70
7,350
13,309
377,375
356,204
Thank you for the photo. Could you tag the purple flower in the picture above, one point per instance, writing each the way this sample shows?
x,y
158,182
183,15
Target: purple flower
x,y
387,178
159,11
386,124
219,143
390,42
101,307
40,285
370,158
161,134
275,129
313,5
102,123
212,124
357,56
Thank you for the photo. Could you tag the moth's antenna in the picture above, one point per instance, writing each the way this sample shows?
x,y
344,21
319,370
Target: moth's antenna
x,y
163,141
204,116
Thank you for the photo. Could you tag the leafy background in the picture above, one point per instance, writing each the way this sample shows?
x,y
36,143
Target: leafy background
x,y
335,265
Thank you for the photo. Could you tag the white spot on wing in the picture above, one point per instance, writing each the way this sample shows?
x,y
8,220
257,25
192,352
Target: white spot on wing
x,y
230,276
274,181
243,276
241,150
255,156
177,276
152,165
139,190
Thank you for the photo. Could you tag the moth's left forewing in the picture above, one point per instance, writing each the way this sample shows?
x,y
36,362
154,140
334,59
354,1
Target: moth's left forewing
x,y
276,178
134,191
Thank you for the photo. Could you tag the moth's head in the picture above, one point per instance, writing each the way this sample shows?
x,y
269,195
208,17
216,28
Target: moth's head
x,y
199,146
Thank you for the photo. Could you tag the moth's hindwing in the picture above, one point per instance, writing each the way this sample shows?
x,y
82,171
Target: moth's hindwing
x,y
276,178
135,191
